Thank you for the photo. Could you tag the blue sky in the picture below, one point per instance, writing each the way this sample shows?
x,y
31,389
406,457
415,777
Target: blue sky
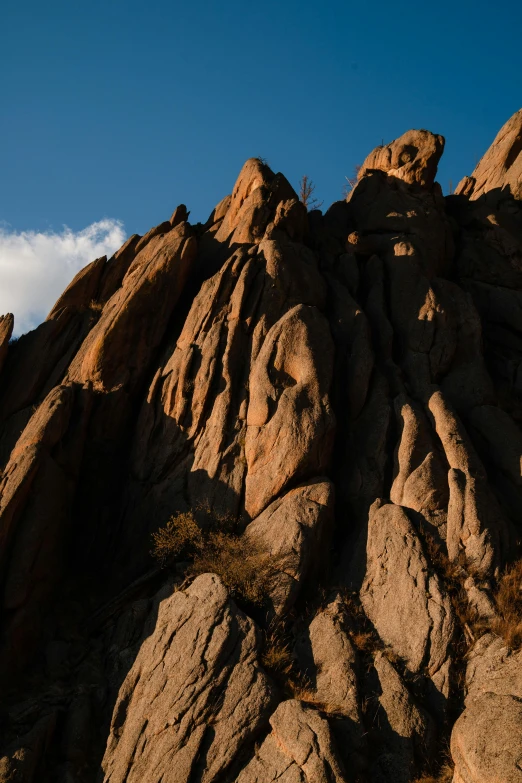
x,y
121,110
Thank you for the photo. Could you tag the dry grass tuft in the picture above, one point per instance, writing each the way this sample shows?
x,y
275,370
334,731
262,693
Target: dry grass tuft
x,y
363,635
277,656
365,641
508,601
453,575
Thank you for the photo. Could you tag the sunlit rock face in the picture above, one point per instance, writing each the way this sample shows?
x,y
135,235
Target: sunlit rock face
x,y
331,406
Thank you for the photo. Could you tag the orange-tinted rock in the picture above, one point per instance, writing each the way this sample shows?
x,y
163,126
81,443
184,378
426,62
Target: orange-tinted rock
x,y
413,157
289,382
250,376
162,228
116,268
180,215
255,198
501,167
117,350
83,289
6,330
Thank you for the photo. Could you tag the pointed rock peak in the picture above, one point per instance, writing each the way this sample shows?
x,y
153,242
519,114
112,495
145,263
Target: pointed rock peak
x,y
413,157
501,166
179,215
253,203
253,175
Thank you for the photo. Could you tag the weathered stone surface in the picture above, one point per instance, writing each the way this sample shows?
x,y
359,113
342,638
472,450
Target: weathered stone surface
x,y
401,592
501,166
255,198
198,370
405,731
475,521
296,530
300,749
289,382
159,230
39,360
116,268
6,330
413,157
397,220
420,481
194,695
35,497
192,443
83,288
486,742
330,660
118,349
179,215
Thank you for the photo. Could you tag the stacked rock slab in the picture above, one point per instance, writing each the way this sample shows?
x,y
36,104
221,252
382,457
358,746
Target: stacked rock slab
x,y
342,390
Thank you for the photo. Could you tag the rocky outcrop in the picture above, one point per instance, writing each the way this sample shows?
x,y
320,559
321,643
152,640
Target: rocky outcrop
x,y
406,731
413,157
486,740
501,166
400,592
300,747
121,332
195,694
296,531
324,406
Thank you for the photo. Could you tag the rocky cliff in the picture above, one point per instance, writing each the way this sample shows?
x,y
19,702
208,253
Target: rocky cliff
x,y
261,492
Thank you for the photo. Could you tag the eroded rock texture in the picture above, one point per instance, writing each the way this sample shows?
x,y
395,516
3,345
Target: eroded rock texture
x,y
338,394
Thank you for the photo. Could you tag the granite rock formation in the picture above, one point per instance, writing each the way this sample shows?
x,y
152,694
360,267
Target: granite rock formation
x,y
339,397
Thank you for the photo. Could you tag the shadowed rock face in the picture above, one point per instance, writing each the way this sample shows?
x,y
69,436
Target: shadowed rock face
x,y
343,391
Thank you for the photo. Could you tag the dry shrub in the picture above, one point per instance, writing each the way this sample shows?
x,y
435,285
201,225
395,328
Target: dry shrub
x,y
508,601
95,306
445,775
181,536
244,568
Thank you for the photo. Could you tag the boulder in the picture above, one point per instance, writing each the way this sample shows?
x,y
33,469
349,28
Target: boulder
x,y
475,521
400,591
413,157
195,695
289,382
300,748
295,530
405,731
486,740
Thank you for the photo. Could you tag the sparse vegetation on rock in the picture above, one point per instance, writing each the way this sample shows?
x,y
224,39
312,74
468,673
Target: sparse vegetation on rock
x,y
337,399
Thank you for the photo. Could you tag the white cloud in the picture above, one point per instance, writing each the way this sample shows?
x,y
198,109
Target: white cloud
x,y
36,267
